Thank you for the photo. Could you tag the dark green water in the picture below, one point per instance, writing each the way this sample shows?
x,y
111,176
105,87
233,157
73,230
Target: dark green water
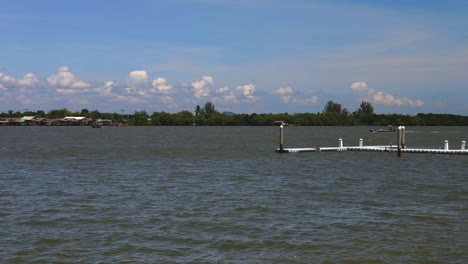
x,y
222,195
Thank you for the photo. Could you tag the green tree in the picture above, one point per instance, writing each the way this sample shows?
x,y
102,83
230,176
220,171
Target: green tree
x,y
95,114
365,108
209,108
84,112
332,107
40,113
58,113
198,110
140,118
183,118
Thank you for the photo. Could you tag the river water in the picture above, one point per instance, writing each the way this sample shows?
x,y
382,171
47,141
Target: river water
x,y
222,195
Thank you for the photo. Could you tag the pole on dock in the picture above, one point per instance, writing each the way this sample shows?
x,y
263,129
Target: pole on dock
x,y
399,137
463,145
403,137
340,143
361,142
281,148
446,145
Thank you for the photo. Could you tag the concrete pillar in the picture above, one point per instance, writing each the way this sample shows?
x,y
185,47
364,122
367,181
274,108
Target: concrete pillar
x,y
463,144
281,139
446,145
340,143
403,137
399,141
361,142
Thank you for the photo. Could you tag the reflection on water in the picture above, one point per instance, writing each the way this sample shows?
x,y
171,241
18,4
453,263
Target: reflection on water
x,y
222,195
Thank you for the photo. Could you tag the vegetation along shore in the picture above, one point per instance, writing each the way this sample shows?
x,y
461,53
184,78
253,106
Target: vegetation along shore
x,y
332,115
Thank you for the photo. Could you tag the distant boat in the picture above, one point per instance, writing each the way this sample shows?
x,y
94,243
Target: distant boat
x,y
96,125
389,129
281,123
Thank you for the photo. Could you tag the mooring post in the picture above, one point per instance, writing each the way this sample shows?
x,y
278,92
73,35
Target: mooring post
x,y
399,141
340,143
403,137
281,149
446,145
361,142
463,145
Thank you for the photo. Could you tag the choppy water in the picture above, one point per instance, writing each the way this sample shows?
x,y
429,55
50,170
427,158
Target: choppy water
x,y
222,195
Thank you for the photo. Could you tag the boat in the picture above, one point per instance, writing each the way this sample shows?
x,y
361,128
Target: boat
x,y
390,128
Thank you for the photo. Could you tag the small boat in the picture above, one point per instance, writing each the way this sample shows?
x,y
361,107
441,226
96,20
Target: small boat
x,y
281,123
389,129
96,125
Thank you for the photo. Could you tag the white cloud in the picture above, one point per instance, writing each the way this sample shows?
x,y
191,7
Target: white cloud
x,y
65,82
388,99
359,86
222,90
283,91
167,100
247,91
130,99
378,97
106,89
131,90
139,76
286,96
306,101
29,80
225,96
160,86
65,91
200,87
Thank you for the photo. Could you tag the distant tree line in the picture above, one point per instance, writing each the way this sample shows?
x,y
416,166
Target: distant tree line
x,y
333,114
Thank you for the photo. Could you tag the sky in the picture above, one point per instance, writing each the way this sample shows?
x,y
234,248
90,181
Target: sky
x,y
245,56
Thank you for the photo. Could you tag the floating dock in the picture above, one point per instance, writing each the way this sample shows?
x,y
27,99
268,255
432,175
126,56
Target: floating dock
x,y
399,148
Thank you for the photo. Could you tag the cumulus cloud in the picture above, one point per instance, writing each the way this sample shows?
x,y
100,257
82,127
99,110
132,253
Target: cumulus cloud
x,y
222,90
379,97
160,86
167,99
306,101
139,76
225,96
65,82
130,99
286,96
29,80
247,91
359,86
388,99
201,88
105,89
137,83
136,91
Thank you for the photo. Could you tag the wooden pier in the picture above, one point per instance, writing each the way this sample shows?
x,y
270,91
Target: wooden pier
x,y
399,148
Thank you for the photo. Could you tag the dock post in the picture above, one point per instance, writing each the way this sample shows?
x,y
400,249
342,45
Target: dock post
x,y
281,149
361,142
403,137
340,143
446,145
463,145
399,141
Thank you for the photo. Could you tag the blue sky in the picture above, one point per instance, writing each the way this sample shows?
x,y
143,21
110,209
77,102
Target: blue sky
x,y
262,56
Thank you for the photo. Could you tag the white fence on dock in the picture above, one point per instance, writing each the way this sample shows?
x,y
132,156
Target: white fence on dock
x,y
399,148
